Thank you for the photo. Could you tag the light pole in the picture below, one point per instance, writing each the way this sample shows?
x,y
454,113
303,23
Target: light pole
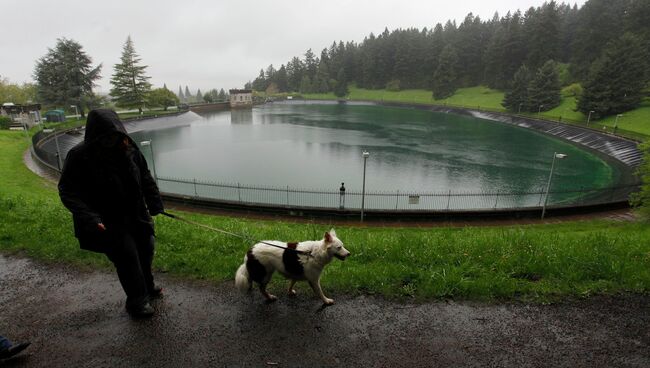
x,y
550,177
76,111
616,122
539,111
519,111
589,117
153,161
363,190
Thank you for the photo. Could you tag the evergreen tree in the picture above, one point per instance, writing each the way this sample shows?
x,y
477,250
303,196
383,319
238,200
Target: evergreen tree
x,y
181,96
130,83
188,96
65,76
260,83
516,99
199,96
544,90
444,79
222,95
617,79
341,88
305,85
281,79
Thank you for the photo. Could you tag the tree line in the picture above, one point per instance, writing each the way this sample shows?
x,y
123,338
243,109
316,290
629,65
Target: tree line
x,y
602,46
66,77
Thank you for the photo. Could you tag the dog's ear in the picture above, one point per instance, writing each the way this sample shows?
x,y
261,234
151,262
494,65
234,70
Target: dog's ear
x,y
333,233
328,238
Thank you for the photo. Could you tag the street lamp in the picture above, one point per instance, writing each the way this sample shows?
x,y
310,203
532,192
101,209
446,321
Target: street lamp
x,y
153,162
76,111
550,177
366,154
616,122
589,117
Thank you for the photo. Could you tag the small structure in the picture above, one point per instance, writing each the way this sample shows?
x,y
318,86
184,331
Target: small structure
x,y
55,116
241,98
22,115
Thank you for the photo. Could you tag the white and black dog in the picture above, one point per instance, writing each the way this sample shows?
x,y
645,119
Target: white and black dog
x,y
296,261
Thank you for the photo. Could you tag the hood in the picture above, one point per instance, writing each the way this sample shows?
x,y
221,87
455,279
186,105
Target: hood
x,y
101,122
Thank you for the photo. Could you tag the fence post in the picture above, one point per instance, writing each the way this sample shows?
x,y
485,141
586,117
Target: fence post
x,y
287,195
396,199
239,192
448,199
496,201
195,194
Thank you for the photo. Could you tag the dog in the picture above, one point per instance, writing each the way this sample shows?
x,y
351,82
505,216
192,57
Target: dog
x,y
302,261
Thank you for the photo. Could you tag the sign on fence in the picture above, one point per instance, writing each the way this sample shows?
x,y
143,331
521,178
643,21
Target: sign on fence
x,y
414,199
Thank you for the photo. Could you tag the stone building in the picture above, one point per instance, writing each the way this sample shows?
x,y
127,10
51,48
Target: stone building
x,y
241,98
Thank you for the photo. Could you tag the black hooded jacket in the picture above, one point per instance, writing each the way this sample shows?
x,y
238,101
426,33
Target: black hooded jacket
x,y
109,186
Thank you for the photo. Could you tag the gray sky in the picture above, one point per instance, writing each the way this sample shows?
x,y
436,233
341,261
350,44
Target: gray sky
x,y
212,43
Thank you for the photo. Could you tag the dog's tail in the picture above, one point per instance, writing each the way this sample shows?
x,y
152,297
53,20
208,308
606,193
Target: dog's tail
x,y
242,279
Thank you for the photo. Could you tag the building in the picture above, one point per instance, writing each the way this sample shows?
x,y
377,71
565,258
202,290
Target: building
x,y
22,115
241,98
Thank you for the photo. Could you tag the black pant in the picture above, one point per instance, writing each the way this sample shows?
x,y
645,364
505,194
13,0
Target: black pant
x,y
132,259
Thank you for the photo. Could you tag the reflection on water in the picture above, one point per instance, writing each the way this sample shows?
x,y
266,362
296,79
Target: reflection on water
x,y
319,146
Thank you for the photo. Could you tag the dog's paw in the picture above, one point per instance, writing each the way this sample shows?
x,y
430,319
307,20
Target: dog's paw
x,y
292,292
328,301
271,298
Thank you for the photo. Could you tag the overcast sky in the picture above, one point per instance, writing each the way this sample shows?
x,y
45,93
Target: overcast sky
x,y
212,43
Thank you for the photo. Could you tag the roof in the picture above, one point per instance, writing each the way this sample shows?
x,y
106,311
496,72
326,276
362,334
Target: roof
x,y
239,91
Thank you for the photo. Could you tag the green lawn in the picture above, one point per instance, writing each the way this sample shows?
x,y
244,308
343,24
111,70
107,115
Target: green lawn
x,y
543,262
634,124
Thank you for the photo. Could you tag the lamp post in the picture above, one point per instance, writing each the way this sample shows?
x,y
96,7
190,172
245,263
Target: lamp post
x,y
589,117
519,111
550,177
539,111
616,122
153,161
76,111
363,190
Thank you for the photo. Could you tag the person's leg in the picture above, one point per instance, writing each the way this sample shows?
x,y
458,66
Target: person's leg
x,y
126,258
7,349
146,246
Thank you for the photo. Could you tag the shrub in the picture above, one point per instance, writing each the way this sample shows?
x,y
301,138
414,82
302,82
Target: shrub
x,y
393,85
4,122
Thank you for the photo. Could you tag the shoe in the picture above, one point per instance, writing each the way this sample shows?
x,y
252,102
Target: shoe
x,y
13,350
156,292
144,310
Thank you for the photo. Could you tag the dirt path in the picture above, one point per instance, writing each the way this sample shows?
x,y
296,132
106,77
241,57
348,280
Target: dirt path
x,y
76,318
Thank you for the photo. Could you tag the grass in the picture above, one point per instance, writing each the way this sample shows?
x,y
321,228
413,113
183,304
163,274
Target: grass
x,y
542,262
634,124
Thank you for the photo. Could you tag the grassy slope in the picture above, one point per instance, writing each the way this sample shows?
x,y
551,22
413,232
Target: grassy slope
x,y
637,122
532,262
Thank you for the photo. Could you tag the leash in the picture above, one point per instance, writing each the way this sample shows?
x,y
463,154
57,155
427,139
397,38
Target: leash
x,y
178,218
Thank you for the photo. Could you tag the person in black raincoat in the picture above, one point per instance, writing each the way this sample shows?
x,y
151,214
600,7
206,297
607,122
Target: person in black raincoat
x,y
107,186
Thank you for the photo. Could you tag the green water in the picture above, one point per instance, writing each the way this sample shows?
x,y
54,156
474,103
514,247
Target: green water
x,y
320,145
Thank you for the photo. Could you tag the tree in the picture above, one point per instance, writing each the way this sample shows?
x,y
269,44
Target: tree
x,y
188,96
222,95
199,96
517,98
305,85
181,96
260,84
544,92
64,76
130,83
10,92
341,88
616,81
163,97
444,79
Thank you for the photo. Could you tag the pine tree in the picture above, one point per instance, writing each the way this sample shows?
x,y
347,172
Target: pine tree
x,y
199,96
65,76
130,83
181,96
305,85
444,79
517,98
188,96
341,88
544,90
616,81
222,95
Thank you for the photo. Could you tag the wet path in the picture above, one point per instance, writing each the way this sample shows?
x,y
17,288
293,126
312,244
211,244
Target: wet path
x,y
75,318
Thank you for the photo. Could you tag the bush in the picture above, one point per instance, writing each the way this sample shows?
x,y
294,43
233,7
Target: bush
x,y
4,122
573,90
393,85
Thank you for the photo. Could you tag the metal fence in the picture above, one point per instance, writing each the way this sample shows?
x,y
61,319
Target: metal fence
x,y
389,201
